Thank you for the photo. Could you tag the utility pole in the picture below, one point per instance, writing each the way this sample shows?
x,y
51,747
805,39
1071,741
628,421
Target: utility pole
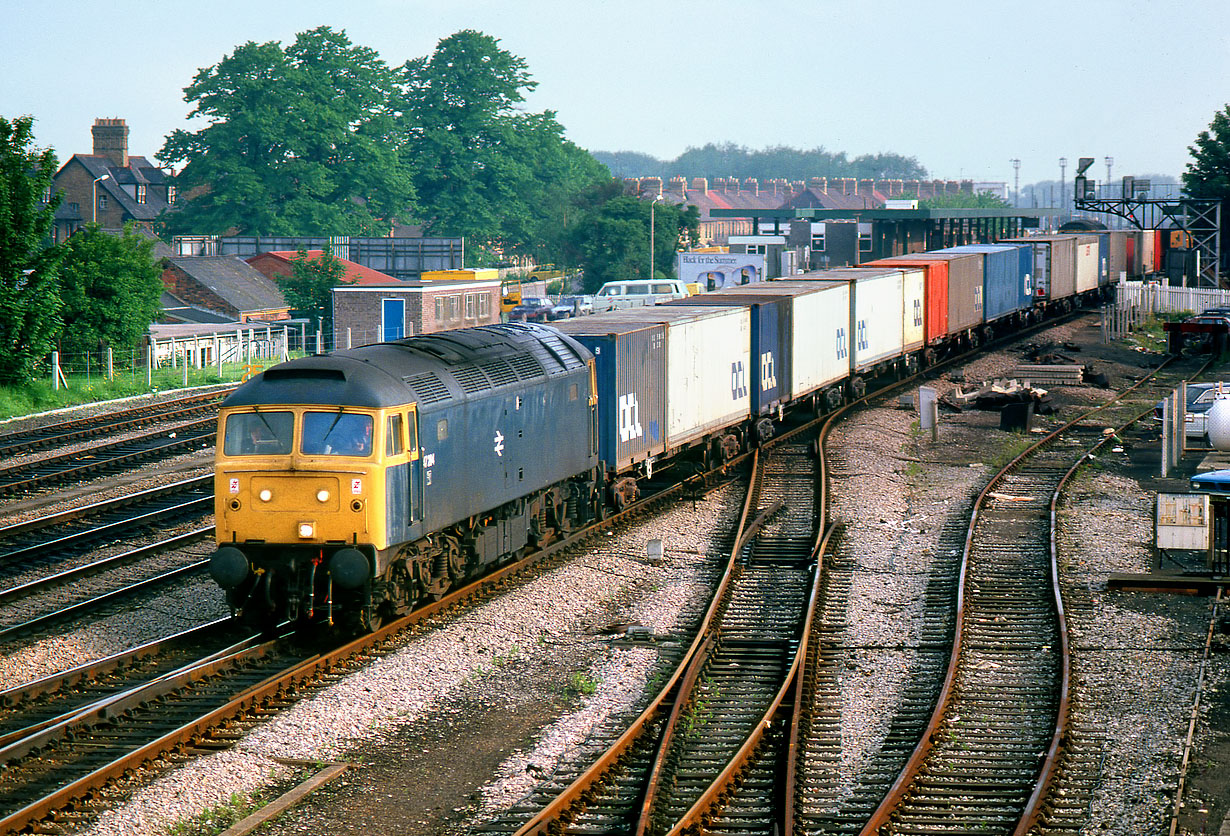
x,y
1016,181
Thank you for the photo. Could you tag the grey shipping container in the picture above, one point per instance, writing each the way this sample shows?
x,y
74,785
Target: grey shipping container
x,y
965,287
1054,265
1088,262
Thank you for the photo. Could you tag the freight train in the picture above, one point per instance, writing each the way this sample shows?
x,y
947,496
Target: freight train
x,y
351,486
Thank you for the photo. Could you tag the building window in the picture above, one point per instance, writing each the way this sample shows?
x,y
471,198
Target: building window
x,y
756,249
439,309
47,194
471,305
454,308
102,202
817,242
484,306
864,238
140,193
171,194
76,207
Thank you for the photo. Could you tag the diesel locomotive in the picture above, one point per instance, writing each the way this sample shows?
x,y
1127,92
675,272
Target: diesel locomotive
x,y
352,485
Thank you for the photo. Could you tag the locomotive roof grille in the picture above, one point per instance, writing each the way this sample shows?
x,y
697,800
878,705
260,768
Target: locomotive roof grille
x,y
500,373
471,379
428,387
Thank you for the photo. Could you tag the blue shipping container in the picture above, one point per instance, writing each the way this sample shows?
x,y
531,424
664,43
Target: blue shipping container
x,y
1007,280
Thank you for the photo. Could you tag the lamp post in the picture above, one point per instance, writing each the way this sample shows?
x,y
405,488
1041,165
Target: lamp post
x,y
652,204
1063,190
97,180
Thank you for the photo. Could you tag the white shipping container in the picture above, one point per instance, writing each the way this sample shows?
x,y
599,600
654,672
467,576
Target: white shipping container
x,y
819,333
708,371
1086,266
912,324
877,320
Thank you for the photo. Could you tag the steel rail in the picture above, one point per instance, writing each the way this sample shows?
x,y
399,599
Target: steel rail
x,y
1033,810
905,780
178,541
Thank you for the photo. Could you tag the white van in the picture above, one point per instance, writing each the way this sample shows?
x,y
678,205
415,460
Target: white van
x,y
635,292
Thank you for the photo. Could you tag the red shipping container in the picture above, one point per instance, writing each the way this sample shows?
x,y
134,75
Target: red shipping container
x,y
935,291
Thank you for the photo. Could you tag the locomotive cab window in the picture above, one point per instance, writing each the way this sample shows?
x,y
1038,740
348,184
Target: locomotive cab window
x,y
258,434
336,434
392,436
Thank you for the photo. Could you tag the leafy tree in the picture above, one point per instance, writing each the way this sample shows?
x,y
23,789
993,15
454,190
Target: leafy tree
x,y
961,200
484,170
610,237
111,289
29,280
1208,174
300,141
309,287
730,160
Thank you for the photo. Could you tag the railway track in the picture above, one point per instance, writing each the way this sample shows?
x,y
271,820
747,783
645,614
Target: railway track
x,y
62,541
19,442
56,770
988,757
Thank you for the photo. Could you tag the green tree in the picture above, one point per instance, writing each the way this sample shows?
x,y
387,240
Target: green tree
x,y
1208,173
300,141
309,287
960,200
483,169
610,236
111,289
29,278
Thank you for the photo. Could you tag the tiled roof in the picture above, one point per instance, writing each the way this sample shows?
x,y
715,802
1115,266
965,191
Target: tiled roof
x,y
355,273
137,173
233,279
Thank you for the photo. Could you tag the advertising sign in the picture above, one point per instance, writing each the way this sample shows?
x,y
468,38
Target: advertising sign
x,y
714,271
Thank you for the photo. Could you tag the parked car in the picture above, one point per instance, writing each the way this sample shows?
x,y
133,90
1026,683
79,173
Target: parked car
x,y
560,310
1200,397
532,309
577,305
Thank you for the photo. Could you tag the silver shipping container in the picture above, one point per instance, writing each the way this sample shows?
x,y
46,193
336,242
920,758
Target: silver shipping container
x,y
1054,265
1087,263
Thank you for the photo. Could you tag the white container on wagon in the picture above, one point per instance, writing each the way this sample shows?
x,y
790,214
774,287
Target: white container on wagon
x,y
817,323
877,317
708,357
1087,263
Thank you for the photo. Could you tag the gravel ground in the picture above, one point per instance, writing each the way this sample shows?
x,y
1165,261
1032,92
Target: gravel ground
x,y
562,620
487,693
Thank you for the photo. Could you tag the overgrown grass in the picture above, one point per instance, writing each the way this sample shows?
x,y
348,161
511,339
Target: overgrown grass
x,y
1149,335
41,396
219,818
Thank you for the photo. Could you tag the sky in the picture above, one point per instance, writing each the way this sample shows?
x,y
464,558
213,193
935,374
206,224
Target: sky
x,y
963,86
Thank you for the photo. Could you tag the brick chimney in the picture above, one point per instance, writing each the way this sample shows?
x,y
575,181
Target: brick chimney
x,y
700,184
651,186
678,186
751,184
111,140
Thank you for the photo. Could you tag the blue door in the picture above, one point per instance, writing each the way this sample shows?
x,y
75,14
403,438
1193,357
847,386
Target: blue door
x,y
392,319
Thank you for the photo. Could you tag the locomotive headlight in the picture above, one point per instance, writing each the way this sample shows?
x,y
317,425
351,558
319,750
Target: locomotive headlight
x,y
307,530
266,495
322,495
